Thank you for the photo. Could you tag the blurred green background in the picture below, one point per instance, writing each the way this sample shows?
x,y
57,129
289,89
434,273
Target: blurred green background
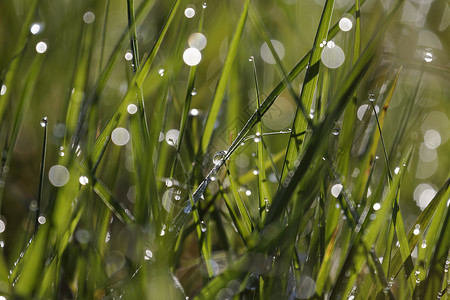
x,y
418,41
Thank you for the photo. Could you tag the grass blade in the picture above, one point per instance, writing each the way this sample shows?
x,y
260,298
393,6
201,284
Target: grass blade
x,y
223,80
307,93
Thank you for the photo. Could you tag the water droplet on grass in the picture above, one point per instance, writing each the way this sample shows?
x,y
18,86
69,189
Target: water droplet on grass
x,y
336,190
376,206
345,24
89,17
132,109
332,56
189,12
336,131
128,55
203,226
219,157
41,47
194,92
42,220
83,180
204,5
44,122
35,28
3,90
161,72
2,226
192,57
194,112
248,192
172,137
197,41
428,55
120,136
58,175
252,58
371,97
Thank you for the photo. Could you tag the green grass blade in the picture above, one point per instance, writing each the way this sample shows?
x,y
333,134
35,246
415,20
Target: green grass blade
x,y
243,233
114,205
11,71
80,81
223,80
137,80
439,261
23,103
32,263
436,205
308,90
247,224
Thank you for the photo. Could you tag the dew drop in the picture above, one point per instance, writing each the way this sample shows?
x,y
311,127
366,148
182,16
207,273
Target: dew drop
x,y
336,190
192,56
41,47
42,220
161,72
120,136
255,172
148,254
194,92
371,97
376,206
194,112
44,122
132,109
248,192
3,90
2,226
58,175
35,28
189,12
345,24
197,40
396,170
204,5
169,182
128,55
89,17
219,157
336,131
83,180
203,226
257,139
332,55
172,137
428,56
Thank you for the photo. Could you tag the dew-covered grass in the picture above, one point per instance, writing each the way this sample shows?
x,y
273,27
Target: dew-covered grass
x,y
224,149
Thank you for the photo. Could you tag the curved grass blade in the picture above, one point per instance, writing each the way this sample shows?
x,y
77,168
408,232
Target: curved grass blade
x,y
308,90
437,271
347,132
19,51
371,229
23,103
436,205
121,212
137,80
223,80
267,103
